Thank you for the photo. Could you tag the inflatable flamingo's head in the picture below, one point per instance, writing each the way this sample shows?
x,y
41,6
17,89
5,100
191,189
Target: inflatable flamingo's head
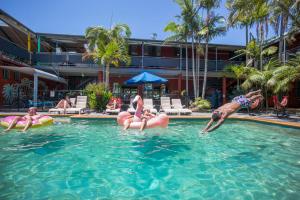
x,y
164,120
122,116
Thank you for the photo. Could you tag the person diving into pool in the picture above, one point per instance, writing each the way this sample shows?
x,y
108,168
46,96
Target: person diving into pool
x,y
250,100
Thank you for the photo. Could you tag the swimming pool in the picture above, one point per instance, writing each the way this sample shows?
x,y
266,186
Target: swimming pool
x,y
90,159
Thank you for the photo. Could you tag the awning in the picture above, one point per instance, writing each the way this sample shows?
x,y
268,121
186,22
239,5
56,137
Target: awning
x,y
145,77
33,71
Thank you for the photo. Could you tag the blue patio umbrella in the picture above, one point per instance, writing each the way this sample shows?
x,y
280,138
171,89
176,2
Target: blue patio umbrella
x,y
145,77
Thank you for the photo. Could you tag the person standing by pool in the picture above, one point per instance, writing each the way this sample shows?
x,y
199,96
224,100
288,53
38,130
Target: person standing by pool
x,y
250,100
138,105
32,115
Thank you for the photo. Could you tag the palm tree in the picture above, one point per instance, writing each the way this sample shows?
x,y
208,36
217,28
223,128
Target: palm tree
x,y
260,78
108,46
279,20
212,27
240,15
239,71
180,34
254,52
285,75
189,10
289,10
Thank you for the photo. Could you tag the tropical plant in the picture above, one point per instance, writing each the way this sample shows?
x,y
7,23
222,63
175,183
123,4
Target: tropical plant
x,y
286,13
240,15
200,104
239,71
98,95
212,26
189,17
284,76
260,78
108,46
254,52
9,93
280,20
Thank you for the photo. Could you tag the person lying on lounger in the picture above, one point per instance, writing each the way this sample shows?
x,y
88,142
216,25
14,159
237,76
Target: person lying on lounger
x,y
64,103
112,105
250,100
32,115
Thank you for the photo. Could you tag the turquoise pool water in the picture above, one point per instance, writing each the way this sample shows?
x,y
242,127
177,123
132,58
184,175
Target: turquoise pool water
x,y
97,160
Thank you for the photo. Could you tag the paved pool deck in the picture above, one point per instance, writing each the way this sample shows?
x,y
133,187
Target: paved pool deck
x,y
292,121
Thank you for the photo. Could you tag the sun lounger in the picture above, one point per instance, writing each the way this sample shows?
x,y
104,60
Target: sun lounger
x,y
61,110
80,106
148,104
177,105
166,106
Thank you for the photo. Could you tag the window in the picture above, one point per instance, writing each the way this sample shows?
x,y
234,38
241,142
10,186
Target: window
x,y
17,76
152,51
5,74
133,50
116,88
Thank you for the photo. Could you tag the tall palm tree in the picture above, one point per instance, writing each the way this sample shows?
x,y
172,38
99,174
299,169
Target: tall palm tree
x,y
108,46
279,20
180,34
212,26
189,9
240,15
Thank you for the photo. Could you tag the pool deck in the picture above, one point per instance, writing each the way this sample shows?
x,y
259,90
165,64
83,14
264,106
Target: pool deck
x,y
292,121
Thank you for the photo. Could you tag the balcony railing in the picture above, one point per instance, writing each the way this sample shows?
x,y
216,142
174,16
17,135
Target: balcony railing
x,y
75,60
14,51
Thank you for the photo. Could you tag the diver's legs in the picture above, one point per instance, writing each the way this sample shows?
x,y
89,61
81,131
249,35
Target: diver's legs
x,y
249,94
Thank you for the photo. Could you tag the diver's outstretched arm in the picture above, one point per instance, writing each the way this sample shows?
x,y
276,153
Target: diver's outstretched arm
x,y
208,125
216,126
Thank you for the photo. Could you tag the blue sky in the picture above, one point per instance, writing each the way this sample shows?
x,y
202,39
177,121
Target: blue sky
x,y
73,16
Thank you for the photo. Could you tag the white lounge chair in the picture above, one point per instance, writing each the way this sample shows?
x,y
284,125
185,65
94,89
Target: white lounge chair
x,y
176,103
148,104
166,106
61,110
81,104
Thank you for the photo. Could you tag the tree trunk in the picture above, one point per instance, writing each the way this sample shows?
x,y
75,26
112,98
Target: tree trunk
x,y
186,70
198,71
193,65
280,46
107,76
247,41
205,69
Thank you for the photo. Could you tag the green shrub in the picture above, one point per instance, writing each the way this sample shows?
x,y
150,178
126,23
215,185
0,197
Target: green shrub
x,y
98,95
200,104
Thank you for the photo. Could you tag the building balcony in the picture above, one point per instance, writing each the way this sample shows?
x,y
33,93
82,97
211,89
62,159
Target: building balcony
x,y
75,60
